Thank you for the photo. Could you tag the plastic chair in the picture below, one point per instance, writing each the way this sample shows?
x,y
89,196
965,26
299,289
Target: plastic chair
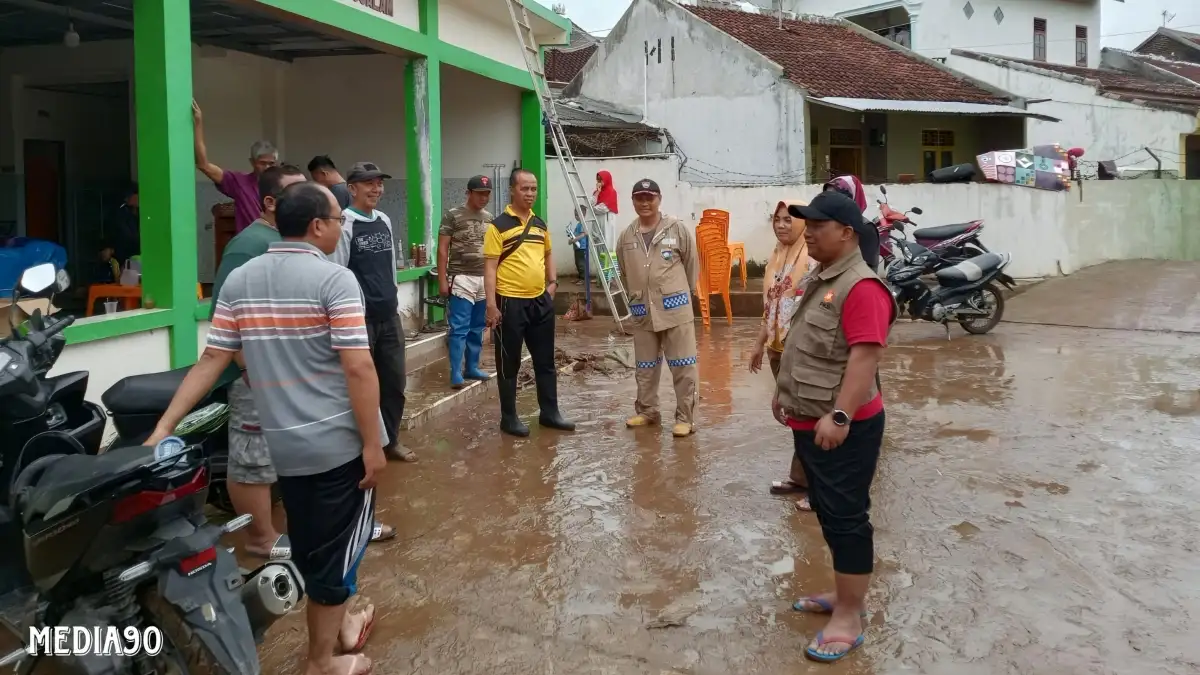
x,y
737,249
717,277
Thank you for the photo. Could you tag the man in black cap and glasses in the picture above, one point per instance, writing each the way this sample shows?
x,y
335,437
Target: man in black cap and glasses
x,y
368,248
828,394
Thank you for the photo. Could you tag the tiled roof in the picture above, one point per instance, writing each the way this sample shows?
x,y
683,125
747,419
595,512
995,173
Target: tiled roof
x,y
827,58
563,65
1183,68
1112,81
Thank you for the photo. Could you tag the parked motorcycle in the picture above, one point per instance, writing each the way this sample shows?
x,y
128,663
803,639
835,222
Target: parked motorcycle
x,y
952,243
967,292
114,542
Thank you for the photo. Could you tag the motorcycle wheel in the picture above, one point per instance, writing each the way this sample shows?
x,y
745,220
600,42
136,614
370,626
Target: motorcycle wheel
x,y
184,653
991,297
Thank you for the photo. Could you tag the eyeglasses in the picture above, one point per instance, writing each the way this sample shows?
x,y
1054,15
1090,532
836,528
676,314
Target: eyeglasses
x,y
338,217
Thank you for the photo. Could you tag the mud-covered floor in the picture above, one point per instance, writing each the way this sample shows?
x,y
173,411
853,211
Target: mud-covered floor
x,y
1035,511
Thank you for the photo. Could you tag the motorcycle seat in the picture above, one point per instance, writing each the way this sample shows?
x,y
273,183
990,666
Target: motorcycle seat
x,y
141,394
971,270
942,232
70,475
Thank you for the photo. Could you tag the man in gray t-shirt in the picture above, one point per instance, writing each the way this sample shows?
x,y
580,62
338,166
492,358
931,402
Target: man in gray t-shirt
x,y
298,320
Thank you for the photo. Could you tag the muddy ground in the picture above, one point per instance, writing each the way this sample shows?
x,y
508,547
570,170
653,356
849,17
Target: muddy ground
x,y
1035,510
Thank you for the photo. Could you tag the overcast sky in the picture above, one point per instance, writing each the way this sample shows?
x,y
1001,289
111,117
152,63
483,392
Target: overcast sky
x,y
596,16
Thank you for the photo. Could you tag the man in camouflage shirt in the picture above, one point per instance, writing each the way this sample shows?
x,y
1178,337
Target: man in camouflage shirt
x,y
460,279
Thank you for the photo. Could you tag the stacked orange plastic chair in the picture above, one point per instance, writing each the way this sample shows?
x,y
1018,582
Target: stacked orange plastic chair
x,y
715,269
737,249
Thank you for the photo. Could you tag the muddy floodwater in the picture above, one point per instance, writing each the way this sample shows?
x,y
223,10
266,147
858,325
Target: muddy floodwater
x,y
1035,512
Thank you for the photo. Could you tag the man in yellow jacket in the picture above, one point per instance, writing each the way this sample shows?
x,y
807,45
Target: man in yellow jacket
x,y
657,258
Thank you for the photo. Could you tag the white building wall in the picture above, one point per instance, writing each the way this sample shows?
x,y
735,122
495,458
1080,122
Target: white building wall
x,y
404,12
1105,128
1048,233
116,358
725,106
942,25
490,35
481,124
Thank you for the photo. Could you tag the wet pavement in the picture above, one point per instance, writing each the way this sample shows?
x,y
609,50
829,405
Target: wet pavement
x,y
1035,511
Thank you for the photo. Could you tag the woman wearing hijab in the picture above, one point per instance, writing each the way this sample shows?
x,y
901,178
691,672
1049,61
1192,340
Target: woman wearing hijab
x,y
786,275
850,186
604,201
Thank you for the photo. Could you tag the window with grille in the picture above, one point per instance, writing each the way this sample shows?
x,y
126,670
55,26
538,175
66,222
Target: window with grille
x,y
1039,39
846,137
937,149
1081,46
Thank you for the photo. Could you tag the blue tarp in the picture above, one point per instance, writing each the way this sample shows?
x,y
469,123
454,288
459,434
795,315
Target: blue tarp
x,y
20,253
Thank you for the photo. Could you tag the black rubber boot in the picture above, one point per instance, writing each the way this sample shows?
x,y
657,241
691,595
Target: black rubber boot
x,y
547,393
509,422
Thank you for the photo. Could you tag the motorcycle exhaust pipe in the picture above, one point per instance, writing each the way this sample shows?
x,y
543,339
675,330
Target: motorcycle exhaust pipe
x,y
271,592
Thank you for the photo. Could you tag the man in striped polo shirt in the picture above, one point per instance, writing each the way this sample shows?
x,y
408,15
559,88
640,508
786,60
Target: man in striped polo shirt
x,y
298,320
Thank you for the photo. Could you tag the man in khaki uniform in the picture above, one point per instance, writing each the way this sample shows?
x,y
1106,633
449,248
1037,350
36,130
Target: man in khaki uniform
x,y
828,394
656,256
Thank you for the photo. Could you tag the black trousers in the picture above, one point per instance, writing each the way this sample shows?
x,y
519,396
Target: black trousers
x,y
527,321
387,349
839,488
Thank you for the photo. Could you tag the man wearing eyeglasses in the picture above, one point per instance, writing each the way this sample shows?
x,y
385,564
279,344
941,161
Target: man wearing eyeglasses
x,y
368,248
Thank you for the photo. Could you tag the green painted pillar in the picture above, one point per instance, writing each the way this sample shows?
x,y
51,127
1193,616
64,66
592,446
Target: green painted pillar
x,y
423,145
162,55
533,146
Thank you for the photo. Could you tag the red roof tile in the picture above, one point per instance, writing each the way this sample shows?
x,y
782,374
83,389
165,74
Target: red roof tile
x,y
1188,70
827,58
563,66
1118,82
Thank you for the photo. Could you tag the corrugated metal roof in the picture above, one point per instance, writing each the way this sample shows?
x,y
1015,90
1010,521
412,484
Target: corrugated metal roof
x,y
939,107
582,113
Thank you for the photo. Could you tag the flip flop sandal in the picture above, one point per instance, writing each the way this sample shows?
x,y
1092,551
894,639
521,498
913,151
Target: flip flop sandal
x,y
786,487
825,606
367,627
356,665
830,658
280,550
804,505
382,532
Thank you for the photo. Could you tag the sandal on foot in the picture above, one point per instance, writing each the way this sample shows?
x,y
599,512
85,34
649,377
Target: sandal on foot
x,y
381,532
786,487
400,454
359,665
824,606
830,658
280,550
804,504
368,611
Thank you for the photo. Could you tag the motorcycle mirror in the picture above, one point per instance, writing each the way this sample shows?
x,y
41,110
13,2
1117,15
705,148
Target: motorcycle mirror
x,y
883,189
38,278
917,210
899,226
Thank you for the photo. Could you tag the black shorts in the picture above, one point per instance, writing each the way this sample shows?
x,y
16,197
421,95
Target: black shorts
x,y
329,522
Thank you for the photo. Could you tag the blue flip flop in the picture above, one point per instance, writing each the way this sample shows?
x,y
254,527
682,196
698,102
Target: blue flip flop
x,y
826,607
830,658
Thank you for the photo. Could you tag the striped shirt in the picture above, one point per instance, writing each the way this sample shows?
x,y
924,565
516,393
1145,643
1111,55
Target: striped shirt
x,y
290,311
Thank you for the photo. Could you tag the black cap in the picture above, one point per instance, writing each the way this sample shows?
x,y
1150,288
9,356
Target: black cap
x,y
646,186
833,205
480,184
362,171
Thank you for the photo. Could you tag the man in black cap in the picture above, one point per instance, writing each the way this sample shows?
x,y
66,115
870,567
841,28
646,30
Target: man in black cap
x,y
835,410
368,248
460,279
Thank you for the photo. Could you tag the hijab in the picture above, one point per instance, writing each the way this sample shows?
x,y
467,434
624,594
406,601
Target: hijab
x,y
786,269
852,187
607,194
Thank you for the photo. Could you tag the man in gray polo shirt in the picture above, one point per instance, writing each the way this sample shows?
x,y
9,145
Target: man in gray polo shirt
x,y
298,320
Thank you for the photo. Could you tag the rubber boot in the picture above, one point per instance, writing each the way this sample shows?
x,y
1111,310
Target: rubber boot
x,y
547,393
454,347
509,422
472,371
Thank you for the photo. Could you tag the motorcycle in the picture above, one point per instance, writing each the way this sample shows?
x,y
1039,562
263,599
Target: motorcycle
x,y
966,292
137,402
117,543
952,243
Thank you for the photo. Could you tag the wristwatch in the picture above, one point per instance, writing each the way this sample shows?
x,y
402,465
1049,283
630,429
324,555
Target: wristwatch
x,y
840,418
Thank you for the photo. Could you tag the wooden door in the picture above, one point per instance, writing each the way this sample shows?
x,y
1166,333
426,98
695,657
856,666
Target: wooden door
x,y
844,161
44,189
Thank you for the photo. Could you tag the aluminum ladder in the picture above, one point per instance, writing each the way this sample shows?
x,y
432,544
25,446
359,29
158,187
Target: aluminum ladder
x,y
605,261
